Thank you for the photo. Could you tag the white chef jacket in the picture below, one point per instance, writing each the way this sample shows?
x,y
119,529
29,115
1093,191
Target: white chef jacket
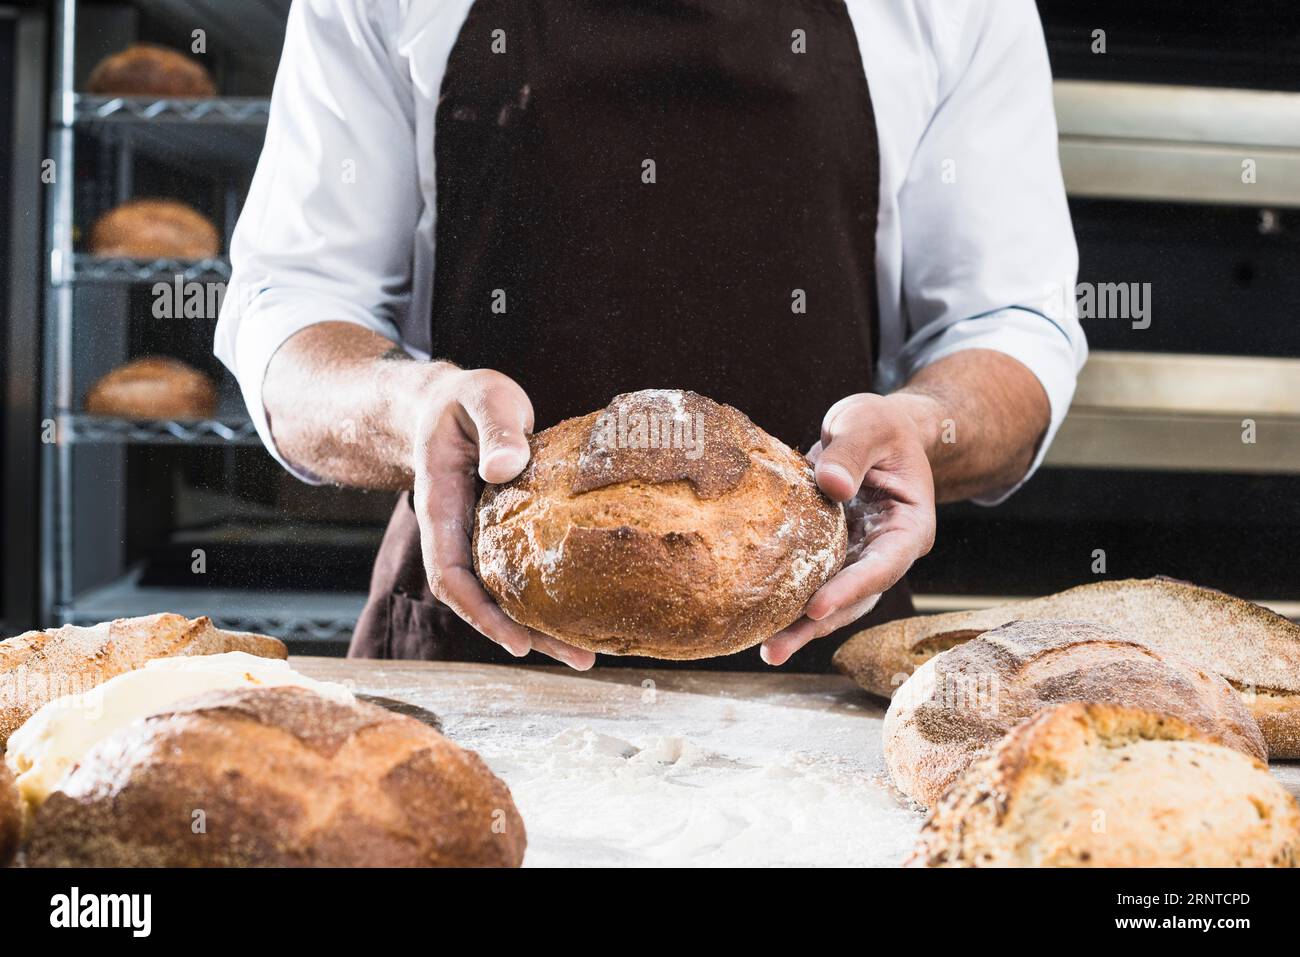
x,y
974,247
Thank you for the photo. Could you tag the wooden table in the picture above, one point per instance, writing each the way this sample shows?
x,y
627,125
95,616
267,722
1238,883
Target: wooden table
x,y
622,766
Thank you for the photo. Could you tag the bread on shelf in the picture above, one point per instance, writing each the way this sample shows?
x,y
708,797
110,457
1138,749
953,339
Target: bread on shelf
x,y
154,387
146,69
154,228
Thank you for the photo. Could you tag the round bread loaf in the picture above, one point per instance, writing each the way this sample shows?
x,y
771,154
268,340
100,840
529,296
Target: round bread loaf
x,y
11,816
1097,785
154,387
145,69
154,229
269,777
965,699
667,525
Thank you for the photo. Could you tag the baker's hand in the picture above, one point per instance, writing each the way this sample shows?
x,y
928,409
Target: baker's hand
x,y
473,420
872,458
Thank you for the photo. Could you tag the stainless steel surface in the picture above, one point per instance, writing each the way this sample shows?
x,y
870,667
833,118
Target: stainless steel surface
x,y
108,430
1183,412
1188,144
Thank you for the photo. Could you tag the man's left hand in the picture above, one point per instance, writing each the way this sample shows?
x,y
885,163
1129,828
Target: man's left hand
x,y
872,457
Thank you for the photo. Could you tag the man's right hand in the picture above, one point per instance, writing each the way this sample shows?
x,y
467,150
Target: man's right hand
x,y
473,420
347,407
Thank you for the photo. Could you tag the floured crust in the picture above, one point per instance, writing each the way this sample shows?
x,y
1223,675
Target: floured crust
x,y
278,777
1254,649
11,816
1097,785
962,701
38,666
649,551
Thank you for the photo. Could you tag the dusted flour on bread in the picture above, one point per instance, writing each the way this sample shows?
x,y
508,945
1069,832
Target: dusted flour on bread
x,y
666,525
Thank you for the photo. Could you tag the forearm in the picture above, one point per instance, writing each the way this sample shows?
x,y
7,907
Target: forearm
x,y
343,404
981,415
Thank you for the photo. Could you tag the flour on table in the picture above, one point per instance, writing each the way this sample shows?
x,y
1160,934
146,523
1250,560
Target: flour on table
x,y
665,800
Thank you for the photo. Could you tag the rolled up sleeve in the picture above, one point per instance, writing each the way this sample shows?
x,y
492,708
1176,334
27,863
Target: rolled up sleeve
x,y
989,258
326,233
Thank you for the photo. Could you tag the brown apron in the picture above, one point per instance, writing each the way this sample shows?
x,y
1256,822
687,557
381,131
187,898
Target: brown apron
x,y
649,190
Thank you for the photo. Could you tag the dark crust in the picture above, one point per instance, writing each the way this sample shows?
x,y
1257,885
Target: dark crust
x,y
985,687
147,69
11,818
278,777
656,568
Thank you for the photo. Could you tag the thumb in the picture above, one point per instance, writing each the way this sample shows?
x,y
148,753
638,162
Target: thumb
x,y
846,452
500,417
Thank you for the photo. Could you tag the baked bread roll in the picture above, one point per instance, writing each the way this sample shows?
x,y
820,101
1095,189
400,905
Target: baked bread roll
x,y
1253,649
1096,785
278,777
154,387
145,69
667,525
155,229
39,666
11,817
960,702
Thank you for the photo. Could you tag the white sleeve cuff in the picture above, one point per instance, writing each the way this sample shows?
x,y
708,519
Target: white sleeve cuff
x,y
1033,340
266,324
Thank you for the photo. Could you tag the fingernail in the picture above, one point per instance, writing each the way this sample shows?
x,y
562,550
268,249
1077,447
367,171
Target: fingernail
x,y
764,654
838,471
822,614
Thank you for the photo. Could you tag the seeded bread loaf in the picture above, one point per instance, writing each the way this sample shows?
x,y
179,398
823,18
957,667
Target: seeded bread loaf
x,y
11,816
962,701
667,525
1253,649
1098,785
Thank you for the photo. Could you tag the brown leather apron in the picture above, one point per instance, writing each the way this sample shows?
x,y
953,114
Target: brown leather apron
x,y
648,189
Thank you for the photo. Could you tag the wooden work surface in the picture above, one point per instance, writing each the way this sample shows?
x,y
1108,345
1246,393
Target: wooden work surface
x,y
632,766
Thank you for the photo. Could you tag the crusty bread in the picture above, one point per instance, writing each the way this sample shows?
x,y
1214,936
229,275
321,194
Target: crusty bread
x,y
961,702
1253,649
11,816
665,550
277,777
154,387
154,229
1097,785
145,69
39,666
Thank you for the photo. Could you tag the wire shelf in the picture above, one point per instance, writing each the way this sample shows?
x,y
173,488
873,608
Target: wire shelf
x,y
107,430
86,268
91,109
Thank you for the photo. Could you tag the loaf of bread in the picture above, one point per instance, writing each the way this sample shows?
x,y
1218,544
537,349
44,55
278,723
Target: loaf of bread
x,y
145,69
154,387
268,777
154,229
667,525
1098,785
962,701
39,666
11,817
1253,649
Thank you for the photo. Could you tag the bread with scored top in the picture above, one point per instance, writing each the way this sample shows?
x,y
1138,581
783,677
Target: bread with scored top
x,y
667,525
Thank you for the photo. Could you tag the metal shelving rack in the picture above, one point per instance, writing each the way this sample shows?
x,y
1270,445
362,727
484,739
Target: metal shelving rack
x,y
175,129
